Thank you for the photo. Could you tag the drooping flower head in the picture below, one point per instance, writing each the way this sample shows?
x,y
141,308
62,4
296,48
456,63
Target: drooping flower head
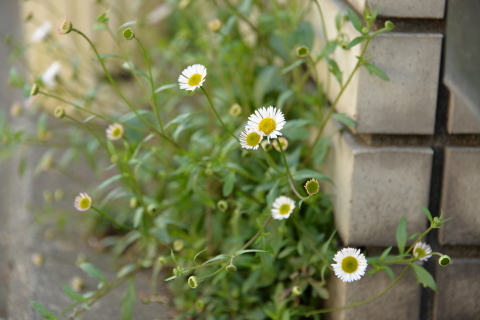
x,y
192,77
268,120
115,131
282,207
422,251
250,138
350,264
83,202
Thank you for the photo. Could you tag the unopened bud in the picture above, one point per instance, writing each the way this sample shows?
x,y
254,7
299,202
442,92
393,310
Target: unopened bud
x,y
215,25
231,268
77,284
38,259
133,202
444,260
235,110
162,260
59,112
389,25
302,52
152,208
437,222
64,25
178,245
312,186
365,30
193,282
128,34
114,158
58,195
177,271
222,205
47,196
296,291
34,90
281,143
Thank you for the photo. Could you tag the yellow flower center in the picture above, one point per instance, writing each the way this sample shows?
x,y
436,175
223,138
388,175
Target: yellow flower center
x,y
267,125
253,139
420,252
117,132
84,203
194,80
284,209
349,264
312,187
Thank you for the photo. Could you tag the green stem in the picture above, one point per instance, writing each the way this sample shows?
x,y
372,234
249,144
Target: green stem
x,y
418,239
362,302
152,85
265,224
289,175
102,143
241,16
106,215
218,116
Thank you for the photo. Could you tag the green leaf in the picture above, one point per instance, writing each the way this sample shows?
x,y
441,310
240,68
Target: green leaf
x,y
354,42
217,258
44,312
228,184
173,257
343,118
126,270
179,119
137,218
126,24
335,70
357,23
92,271
263,84
389,272
292,66
170,278
166,87
131,115
427,213
273,193
385,253
308,174
73,294
424,277
283,97
107,55
103,18
402,235
109,181
323,250
239,252
414,235
128,301
374,13
372,69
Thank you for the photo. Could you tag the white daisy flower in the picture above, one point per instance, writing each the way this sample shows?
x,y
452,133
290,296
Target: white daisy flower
x,y
41,32
282,207
422,251
83,202
49,77
115,131
350,264
250,138
268,120
192,77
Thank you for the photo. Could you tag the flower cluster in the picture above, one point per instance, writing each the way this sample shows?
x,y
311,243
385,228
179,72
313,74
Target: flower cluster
x,y
264,122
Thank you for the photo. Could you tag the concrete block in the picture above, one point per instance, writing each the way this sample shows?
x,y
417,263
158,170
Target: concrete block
x,y
375,187
403,9
458,290
404,105
461,186
401,302
461,118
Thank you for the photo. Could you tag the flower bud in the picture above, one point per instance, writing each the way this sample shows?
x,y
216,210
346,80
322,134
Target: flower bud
x,y
58,195
282,142
296,291
34,90
265,145
151,208
162,260
365,30
133,202
437,222
222,205
231,268
177,271
64,26
193,282
38,259
128,34
114,158
59,112
178,245
389,25
444,260
215,25
77,284
235,110
302,52
312,186
199,305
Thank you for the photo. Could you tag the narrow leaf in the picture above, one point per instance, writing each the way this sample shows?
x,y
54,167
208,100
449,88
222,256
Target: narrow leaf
x,y
173,257
385,253
389,272
217,258
335,70
44,312
229,184
165,87
126,24
343,118
239,252
427,213
357,23
107,55
402,235
92,271
354,42
128,301
73,294
308,173
424,277
292,66
372,69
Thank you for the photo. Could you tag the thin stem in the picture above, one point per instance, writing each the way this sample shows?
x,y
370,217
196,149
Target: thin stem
x,y
241,16
265,224
106,215
102,143
152,85
362,302
418,239
218,116
289,175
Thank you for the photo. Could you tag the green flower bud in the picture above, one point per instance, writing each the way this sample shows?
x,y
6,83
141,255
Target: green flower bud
x,y
128,34
38,259
444,260
231,268
296,291
34,90
389,25
114,158
235,110
193,282
437,222
365,30
64,26
47,196
162,260
199,305
178,245
59,112
77,284
177,271
58,195
215,25
312,186
222,205
133,202
302,52
151,208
